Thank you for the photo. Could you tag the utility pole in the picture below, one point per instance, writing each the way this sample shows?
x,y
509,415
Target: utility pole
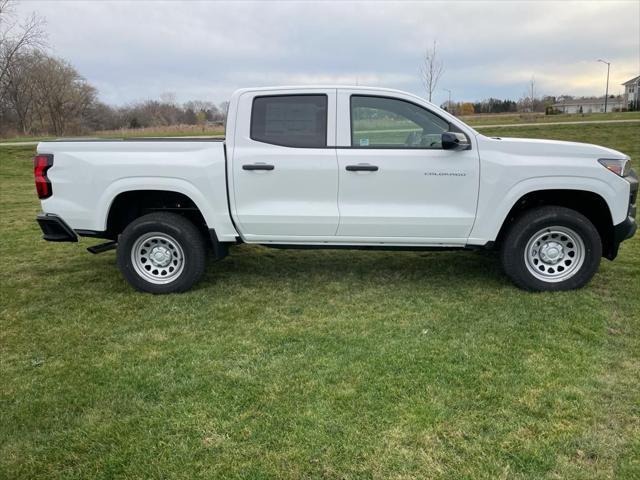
x,y
449,102
606,94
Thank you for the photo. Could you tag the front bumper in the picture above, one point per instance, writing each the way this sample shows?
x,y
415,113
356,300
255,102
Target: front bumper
x,y
632,178
54,229
629,226
625,230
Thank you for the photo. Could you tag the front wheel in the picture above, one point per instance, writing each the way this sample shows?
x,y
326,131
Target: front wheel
x,y
161,253
551,248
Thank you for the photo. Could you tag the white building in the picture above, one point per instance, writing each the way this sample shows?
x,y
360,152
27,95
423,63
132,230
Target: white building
x,y
632,94
590,105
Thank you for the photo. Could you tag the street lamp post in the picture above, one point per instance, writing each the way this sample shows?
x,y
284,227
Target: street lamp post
x,y
606,94
449,102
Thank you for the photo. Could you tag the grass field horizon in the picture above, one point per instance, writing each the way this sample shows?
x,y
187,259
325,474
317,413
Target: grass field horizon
x,y
160,131
314,364
483,119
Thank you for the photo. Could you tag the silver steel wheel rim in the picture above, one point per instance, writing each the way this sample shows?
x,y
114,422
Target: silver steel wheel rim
x,y
157,257
554,254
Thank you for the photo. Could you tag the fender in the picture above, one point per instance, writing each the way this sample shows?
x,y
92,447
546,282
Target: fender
x,y
489,221
216,219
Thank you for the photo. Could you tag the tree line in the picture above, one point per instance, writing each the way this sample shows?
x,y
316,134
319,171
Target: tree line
x,y
43,94
496,105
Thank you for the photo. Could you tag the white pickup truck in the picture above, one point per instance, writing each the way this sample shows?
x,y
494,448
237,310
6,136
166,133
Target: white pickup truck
x,y
339,167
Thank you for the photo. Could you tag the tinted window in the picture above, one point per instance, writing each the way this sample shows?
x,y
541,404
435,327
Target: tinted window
x,y
290,120
379,122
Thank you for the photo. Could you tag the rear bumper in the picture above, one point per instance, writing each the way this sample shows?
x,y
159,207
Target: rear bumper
x,y
54,229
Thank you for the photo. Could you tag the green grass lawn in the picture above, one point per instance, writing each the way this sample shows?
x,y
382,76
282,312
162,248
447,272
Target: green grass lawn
x,y
167,131
509,118
313,364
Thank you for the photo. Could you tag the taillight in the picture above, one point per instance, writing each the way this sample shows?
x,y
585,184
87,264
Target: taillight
x,y
42,163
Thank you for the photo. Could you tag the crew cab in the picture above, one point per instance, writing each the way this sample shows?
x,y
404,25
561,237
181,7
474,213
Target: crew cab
x,y
339,167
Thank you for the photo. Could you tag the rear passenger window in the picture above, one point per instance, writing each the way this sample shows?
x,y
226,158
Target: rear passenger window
x,y
290,120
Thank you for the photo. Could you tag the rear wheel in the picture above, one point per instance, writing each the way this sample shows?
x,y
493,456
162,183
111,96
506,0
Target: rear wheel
x,y
161,253
551,248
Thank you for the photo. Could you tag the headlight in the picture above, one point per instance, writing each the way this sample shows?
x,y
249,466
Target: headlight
x,y
619,166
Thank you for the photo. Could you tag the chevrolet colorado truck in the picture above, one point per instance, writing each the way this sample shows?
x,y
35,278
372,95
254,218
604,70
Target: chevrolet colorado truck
x,y
339,167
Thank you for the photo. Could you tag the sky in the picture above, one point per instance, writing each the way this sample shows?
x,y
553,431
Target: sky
x,y
139,50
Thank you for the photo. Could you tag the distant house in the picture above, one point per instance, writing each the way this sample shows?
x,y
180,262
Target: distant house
x,y
632,93
590,105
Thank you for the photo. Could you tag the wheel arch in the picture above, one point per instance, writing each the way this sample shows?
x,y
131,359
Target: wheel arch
x,y
129,205
129,202
166,185
589,203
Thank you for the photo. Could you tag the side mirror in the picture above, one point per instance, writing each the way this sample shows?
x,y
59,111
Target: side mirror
x,y
454,141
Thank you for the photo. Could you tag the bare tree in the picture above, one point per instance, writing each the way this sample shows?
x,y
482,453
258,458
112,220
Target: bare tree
x,y
532,90
224,109
62,95
203,110
528,101
16,37
18,91
431,69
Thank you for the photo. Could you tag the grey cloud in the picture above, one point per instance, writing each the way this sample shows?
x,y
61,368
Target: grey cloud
x,y
134,50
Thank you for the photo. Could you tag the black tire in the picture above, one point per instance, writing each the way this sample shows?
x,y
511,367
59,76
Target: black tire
x,y
181,243
518,261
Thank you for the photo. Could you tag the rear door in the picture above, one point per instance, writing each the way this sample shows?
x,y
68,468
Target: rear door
x,y
285,172
396,180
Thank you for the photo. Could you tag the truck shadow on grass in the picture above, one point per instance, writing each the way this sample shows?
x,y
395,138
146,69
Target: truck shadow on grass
x,y
254,264
255,267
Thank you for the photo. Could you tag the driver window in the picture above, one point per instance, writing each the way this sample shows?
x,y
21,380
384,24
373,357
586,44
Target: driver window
x,y
380,122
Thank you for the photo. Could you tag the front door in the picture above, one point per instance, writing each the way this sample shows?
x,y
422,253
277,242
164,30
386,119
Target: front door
x,y
396,181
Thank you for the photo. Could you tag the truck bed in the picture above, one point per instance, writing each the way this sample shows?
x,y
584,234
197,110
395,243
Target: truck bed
x,y
88,174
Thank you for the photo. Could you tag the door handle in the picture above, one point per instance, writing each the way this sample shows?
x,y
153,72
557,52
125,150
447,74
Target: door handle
x,y
258,166
362,168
